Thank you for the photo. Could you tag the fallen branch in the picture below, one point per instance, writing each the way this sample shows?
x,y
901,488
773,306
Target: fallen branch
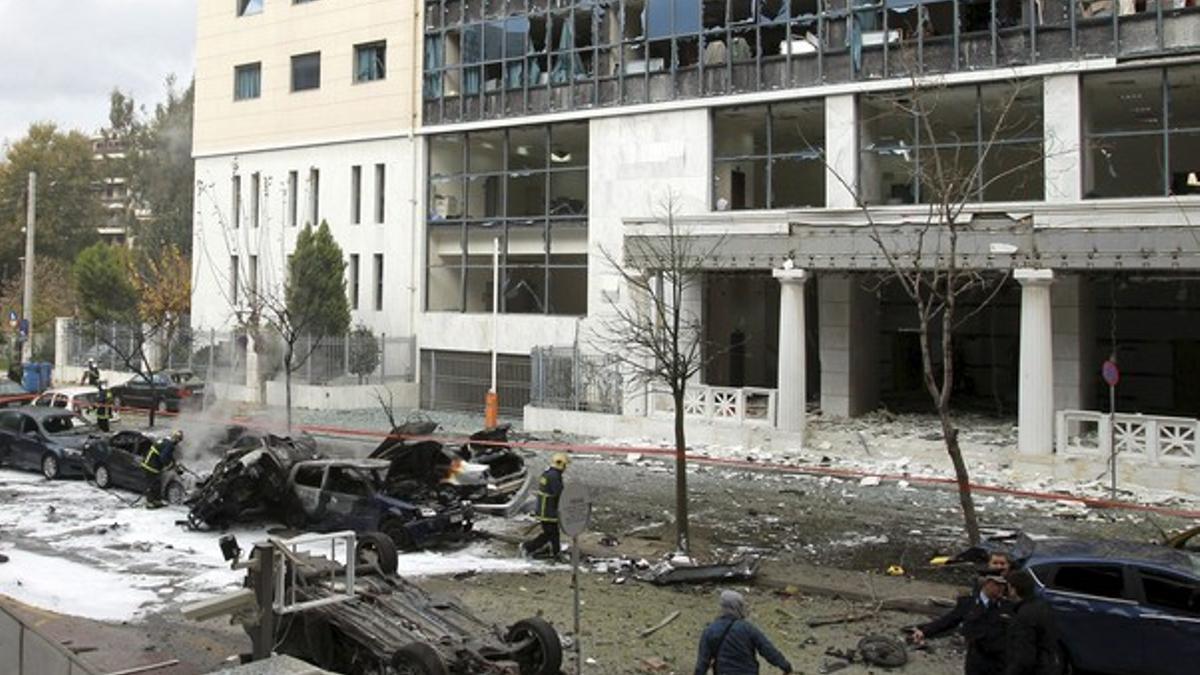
x,y
660,625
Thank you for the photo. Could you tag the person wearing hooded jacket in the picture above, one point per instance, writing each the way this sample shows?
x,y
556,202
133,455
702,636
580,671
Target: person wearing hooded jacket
x,y
731,645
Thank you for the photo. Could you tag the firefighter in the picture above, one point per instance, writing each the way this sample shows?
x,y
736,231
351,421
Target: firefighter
x,y
104,408
550,487
158,467
91,376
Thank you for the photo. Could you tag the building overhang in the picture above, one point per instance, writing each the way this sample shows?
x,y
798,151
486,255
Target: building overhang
x,y
1125,234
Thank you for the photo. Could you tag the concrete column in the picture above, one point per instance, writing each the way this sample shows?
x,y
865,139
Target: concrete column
x,y
252,379
849,339
1063,157
1076,366
841,150
789,401
62,343
1035,406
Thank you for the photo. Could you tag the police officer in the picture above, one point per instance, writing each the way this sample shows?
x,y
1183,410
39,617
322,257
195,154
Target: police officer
x,y
985,626
550,487
999,563
104,408
158,465
91,376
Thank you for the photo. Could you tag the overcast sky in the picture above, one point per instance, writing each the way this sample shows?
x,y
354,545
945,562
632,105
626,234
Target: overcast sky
x,y
59,59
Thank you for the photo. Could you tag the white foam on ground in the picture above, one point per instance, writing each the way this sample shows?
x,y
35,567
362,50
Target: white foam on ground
x,y
73,588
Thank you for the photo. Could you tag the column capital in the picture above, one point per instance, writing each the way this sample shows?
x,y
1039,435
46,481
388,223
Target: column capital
x,y
1031,276
792,276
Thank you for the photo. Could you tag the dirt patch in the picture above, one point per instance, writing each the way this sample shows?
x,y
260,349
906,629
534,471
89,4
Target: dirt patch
x,y
615,614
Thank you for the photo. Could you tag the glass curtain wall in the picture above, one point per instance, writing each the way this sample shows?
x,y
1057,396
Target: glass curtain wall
x,y
526,187
500,58
769,156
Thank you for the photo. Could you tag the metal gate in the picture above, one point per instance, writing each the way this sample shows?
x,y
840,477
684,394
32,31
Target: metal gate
x,y
460,380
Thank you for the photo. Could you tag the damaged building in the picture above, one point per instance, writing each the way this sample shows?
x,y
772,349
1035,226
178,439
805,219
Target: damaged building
x,y
786,131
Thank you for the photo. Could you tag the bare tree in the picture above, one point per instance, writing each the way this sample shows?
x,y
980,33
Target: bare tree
x,y
656,339
924,259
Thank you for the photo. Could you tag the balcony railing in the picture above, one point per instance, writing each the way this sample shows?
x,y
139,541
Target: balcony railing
x,y
737,405
1153,439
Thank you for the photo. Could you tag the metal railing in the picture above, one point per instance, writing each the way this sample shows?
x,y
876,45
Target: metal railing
x,y
1153,439
739,405
562,378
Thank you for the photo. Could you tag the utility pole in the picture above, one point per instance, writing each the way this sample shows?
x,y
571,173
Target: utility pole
x,y
27,300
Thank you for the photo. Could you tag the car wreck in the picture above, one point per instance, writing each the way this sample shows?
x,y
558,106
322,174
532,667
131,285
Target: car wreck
x,y
485,470
116,461
350,613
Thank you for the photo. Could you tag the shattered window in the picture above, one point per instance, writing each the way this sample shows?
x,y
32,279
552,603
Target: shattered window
x,y
512,188
1104,581
769,156
952,144
1142,131
61,424
1170,591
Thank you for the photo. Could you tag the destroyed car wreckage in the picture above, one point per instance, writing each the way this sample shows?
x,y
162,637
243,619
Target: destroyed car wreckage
x,y
413,488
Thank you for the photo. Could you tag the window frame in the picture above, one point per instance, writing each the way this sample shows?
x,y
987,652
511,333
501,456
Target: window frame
x,y
379,65
768,156
296,63
254,68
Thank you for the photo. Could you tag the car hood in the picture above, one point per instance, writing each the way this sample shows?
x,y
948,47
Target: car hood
x,y
72,441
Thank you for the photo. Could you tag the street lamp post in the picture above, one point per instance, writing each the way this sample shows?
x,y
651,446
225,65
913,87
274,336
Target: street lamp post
x,y
27,299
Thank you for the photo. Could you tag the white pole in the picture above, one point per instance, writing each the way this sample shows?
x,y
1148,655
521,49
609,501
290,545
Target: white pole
x,y
27,301
495,304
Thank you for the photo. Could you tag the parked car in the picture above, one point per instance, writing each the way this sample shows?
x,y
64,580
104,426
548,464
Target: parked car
x,y
1121,607
44,439
116,461
354,494
81,399
167,390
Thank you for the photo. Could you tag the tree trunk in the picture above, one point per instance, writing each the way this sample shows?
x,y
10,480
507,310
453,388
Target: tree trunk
x,y
950,435
682,542
287,385
153,400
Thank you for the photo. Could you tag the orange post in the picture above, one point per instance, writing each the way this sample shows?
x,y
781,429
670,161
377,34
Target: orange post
x,y
491,410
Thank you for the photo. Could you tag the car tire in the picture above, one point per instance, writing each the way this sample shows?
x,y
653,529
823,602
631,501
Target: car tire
x,y
376,549
50,466
176,493
544,657
102,477
418,658
393,528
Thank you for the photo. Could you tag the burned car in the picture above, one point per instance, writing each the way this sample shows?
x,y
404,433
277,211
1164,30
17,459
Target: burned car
x,y
356,495
116,461
485,470
358,616
250,480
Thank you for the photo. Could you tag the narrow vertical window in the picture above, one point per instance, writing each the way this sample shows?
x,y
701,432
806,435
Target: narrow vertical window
x,y
378,282
293,197
314,196
355,195
380,192
255,187
233,280
252,283
370,61
236,188
247,81
353,281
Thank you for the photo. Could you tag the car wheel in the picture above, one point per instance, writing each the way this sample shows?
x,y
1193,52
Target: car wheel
x,y
418,658
393,528
543,656
375,549
49,466
176,494
103,478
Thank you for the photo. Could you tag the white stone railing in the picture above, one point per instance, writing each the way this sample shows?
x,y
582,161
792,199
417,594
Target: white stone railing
x,y
1151,438
738,405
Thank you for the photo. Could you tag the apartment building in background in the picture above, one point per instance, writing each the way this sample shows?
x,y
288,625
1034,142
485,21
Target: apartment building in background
x,y
783,132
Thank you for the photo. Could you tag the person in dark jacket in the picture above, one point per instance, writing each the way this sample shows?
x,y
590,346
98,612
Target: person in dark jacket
x,y
731,645
91,376
1000,563
985,627
104,408
550,487
1032,637
158,466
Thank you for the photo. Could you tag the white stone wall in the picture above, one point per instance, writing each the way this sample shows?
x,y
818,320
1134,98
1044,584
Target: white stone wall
x,y
215,240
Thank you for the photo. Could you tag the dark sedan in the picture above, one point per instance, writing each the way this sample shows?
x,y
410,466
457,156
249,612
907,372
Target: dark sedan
x,y
168,390
116,461
1121,607
44,439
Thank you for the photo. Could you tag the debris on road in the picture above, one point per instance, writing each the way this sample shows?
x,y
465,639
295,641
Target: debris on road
x,y
660,625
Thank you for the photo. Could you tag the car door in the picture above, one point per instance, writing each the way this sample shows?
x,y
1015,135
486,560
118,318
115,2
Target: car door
x,y
345,500
1097,614
306,486
10,428
1169,610
125,454
28,446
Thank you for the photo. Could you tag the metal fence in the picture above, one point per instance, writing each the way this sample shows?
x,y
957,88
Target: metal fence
x,y
565,379
224,356
460,381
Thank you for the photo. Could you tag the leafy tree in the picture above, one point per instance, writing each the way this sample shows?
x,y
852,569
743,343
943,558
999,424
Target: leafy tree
x,y
67,208
106,293
364,352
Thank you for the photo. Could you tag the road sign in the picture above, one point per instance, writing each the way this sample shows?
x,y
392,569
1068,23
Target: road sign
x,y
1110,373
574,509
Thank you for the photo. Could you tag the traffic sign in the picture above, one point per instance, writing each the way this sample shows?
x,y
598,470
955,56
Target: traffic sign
x,y
574,509
1110,373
